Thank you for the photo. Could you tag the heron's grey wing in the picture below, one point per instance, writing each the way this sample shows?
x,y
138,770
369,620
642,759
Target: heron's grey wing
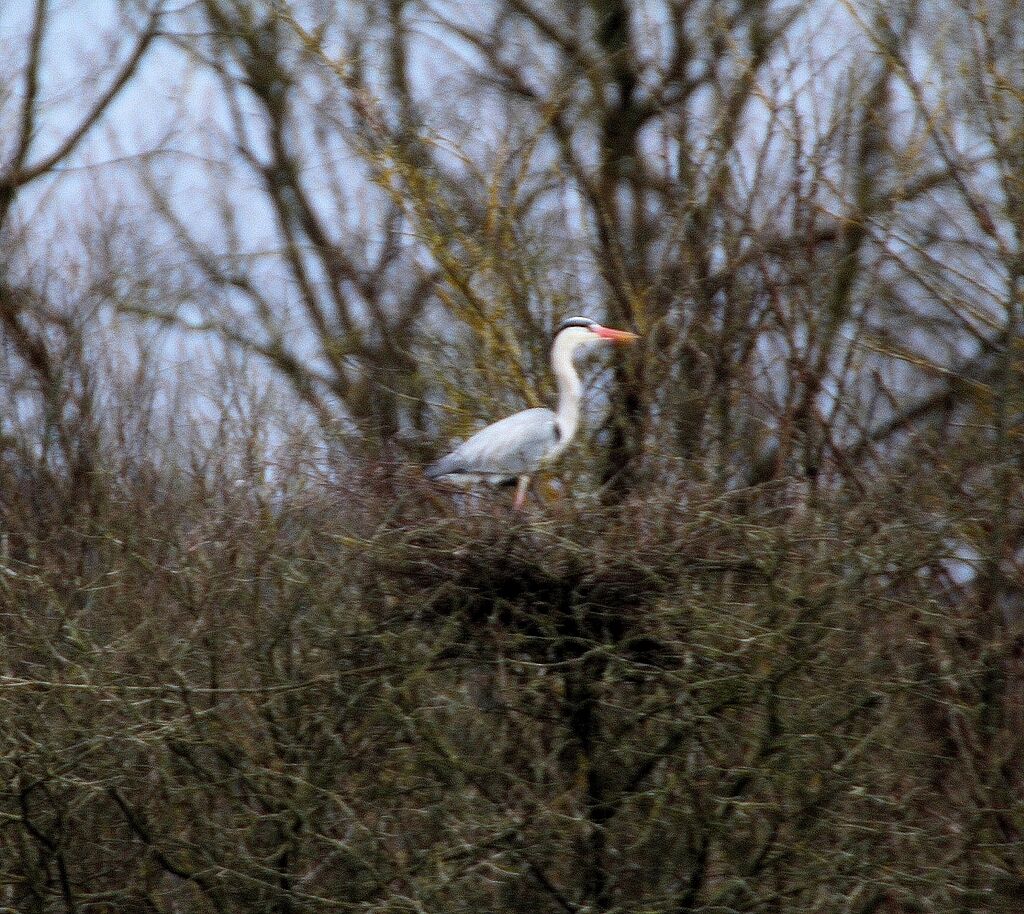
x,y
512,447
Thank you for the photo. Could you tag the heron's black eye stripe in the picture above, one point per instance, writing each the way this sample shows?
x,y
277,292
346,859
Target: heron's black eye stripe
x,y
583,322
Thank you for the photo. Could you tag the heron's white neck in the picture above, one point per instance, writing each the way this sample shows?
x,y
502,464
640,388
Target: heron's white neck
x,y
570,388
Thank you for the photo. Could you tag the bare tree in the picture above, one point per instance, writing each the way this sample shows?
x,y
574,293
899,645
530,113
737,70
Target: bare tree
x,y
47,374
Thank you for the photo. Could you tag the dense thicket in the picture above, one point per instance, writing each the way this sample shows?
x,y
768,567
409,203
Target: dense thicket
x,y
756,645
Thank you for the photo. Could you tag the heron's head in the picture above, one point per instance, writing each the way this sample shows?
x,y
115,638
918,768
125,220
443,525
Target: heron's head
x,y
582,331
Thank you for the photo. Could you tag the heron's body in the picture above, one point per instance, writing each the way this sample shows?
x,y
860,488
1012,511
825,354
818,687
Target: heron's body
x,y
516,447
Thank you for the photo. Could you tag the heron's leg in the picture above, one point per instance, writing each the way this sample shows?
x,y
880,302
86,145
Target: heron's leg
x,y
521,487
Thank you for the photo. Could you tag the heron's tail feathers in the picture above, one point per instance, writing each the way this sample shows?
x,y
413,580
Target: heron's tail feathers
x,y
442,467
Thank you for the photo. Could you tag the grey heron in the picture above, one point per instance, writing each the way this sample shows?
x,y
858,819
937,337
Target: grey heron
x,y
513,449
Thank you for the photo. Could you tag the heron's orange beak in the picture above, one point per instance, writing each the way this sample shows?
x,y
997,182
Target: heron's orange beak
x,y
617,336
